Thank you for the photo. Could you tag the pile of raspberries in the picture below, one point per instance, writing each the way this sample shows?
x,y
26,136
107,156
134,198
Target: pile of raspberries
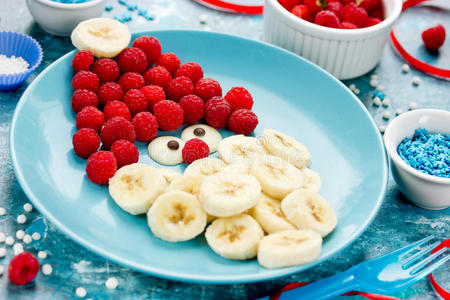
x,y
342,14
127,99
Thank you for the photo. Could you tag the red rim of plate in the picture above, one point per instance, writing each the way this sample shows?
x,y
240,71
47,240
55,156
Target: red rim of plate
x,y
232,7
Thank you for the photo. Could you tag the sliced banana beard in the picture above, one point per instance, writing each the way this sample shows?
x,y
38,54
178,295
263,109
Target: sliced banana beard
x,y
289,248
234,237
176,216
206,133
225,194
240,149
277,177
166,150
188,183
308,210
135,187
104,37
205,166
169,175
286,147
237,168
267,212
311,180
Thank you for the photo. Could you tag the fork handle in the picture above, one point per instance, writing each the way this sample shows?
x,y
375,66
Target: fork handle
x,y
327,288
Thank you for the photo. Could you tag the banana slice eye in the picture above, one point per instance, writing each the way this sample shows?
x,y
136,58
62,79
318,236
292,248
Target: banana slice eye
x,y
206,133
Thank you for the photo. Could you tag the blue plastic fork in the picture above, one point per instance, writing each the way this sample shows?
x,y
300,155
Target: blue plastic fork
x,y
388,273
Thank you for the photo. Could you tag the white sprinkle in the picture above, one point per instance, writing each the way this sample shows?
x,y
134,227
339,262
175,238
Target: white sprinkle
x,y
399,111
42,254
12,64
382,128
27,207
203,19
20,234
111,283
373,83
357,91
21,219
18,248
376,101
2,211
416,80
2,237
9,240
405,68
386,102
81,292
352,86
2,269
386,115
47,269
36,236
412,105
380,87
2,252
27,239
374,77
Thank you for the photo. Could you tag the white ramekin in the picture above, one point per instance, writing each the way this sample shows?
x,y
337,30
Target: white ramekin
x,y
61,18
345,53
426,191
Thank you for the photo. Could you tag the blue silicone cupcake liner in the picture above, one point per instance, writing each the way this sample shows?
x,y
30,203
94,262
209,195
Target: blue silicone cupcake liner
x,y
19,44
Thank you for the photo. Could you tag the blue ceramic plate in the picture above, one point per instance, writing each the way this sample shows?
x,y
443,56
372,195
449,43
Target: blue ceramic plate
x,y
291,95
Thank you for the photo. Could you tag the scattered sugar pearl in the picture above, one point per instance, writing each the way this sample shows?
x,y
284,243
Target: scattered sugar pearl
x,y
21,219
412,105
111,283
380,87
373,83
2,252
20,234
42,254
47,269
376,101
18,248
352,86
2,270
405,68
27,239
2,237
416,80
12,64
382,128
80,292
2,211
203,19
9,240
386,115
356,91
386,102
36,236
374,77
399,111
27,207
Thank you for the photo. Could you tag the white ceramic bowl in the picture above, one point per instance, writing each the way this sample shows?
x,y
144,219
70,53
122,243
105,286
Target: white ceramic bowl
x,y
61,18
345,53
426,191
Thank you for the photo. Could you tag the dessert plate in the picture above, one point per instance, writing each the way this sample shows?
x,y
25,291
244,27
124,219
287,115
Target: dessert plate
x,y
291,95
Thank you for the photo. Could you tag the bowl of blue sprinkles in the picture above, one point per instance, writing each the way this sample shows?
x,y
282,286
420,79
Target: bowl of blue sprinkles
x,y
418,144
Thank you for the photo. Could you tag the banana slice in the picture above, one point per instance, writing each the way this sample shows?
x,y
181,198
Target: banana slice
x,y
166,150
206,133
311,180
289,248
308,210
277,177
225,194
240,148
104,37
234,237
176,216
205,166
169,175
267,212
286,147
135,187
188,183
237,168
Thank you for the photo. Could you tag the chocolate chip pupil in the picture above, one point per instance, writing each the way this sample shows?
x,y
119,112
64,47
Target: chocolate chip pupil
x,y
199,131
173,145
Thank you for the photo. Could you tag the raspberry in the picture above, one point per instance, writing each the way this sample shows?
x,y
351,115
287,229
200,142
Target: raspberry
x,y
289,4
106,69
110,91
193,108
327,18
116,109
434,37
169,61
132,60
375,4
347,25
179,87
82,60
169,115
117,128
239,97
336,7
377,13
242,121
372,21
364,4
86,80
194,149
217,112
154,94
145,126
90,117
158,76
302,11
82,98
191,70
151,46
313,5
131,80
126,153
101,166
85,142
206,88
23,268
136,101
354,14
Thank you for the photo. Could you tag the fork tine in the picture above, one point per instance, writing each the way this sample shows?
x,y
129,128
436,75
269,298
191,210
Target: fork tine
x,y
431,267
408,261
407,249
422,263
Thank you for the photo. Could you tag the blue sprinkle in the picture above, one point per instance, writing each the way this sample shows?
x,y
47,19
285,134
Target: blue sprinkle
x,y
149,18
142,12
123,2
126,17
108,7
427,152
379,94
132,6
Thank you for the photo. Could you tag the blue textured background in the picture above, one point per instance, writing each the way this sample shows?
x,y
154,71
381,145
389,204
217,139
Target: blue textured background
x,y
397,223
